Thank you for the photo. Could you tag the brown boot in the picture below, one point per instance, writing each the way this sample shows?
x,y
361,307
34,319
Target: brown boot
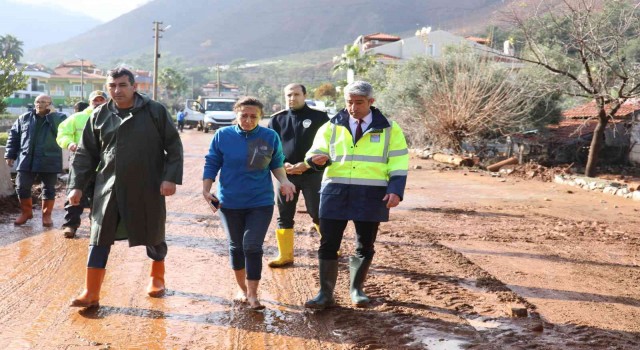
x,y
27,211
90,297
156,288
47,208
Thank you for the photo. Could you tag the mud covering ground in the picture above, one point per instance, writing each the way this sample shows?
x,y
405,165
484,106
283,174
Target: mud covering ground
x,y
461,254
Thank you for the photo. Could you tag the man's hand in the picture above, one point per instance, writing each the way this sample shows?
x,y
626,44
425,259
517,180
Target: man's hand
x,y
288,190
296,169
167,188
74,197
9,162
72,147
320,159
392,200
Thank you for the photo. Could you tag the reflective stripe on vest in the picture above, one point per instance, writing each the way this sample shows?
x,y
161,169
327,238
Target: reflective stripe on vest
x,y
363,158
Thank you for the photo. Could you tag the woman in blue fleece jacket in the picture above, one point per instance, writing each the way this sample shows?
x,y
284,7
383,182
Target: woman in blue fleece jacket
x,y
246,154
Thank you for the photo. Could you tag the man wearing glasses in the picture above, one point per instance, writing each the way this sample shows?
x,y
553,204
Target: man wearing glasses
x,y
32,143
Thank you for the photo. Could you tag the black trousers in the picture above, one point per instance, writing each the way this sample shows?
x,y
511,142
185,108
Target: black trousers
x,y
333,231
74,212
309,184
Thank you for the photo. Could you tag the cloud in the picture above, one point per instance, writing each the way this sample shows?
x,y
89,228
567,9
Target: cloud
x,y
101,10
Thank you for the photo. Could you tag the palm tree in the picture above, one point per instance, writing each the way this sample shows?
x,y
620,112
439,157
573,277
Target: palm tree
x,y
11,47
352,60
173,82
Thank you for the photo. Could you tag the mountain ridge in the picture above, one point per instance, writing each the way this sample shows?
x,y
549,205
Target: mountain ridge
x,y
206,32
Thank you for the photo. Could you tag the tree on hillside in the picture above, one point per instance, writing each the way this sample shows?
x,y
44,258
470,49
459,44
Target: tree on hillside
x,y
353,60
11,48
325,92
589,48
11,79
460,98
173,83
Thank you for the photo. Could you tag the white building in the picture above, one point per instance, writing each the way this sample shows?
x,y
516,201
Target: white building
x,y
425,43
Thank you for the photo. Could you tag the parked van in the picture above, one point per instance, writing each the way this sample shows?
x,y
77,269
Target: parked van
x,y
210,113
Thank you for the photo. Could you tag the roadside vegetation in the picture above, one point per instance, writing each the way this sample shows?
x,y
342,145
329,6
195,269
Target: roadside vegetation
x,y
570,52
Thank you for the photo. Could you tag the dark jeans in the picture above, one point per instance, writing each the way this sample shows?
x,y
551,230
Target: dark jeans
x,y
25,180
73,212
180,126
246,229
98,255
309,184
333,230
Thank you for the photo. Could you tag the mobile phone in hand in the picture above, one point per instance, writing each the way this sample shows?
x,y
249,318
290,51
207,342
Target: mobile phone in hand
x,y
215,203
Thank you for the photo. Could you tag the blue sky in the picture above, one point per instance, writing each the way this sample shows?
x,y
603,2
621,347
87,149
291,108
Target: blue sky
x,y
104,12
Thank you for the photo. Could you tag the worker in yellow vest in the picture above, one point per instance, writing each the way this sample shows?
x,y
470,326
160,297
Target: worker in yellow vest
x,y
365,160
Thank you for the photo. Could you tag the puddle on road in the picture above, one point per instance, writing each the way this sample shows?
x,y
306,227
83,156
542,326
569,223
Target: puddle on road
x,y
435,340
483,323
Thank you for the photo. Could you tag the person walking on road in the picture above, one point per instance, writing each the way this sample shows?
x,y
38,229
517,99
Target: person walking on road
x,y
296,126
245,155
180,117
32,143
366,161
133,150
69,135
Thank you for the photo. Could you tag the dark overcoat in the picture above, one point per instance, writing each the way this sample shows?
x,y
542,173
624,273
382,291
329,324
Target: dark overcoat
x,y
39,156
129,157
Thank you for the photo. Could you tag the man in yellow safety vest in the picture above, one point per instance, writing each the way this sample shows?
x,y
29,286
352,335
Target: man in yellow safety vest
x,y
365,160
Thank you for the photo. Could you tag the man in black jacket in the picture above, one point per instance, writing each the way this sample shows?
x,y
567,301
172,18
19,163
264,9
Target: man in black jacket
x,y
297,127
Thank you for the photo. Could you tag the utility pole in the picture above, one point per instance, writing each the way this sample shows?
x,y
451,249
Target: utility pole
x,y
156,55
82,79
218,77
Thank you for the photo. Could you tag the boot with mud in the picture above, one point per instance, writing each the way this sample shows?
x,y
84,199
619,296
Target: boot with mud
x,y
358,269
26,206
328,277
47,208
69,232
90,297
284,237
156,288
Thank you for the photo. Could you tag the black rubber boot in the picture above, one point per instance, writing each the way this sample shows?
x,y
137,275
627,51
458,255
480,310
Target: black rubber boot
x,y
328,277
358,269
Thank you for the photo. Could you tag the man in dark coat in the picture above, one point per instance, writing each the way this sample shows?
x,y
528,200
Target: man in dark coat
x,y
32,142
132,148
297,126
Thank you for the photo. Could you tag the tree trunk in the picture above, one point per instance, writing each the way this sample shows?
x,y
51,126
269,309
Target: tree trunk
x,y
596,143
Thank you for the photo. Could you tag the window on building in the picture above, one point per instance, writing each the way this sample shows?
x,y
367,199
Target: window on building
x,y
57,90
431,50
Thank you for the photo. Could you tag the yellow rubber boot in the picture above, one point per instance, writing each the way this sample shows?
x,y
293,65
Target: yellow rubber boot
x,y
284,236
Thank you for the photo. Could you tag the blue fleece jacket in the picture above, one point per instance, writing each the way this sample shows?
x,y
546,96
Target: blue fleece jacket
x,y
244,160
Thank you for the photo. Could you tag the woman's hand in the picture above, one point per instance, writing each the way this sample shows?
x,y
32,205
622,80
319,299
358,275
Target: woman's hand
x,y
211,198
288,190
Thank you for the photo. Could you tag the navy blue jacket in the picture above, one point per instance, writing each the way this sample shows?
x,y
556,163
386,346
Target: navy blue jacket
x,y
45,156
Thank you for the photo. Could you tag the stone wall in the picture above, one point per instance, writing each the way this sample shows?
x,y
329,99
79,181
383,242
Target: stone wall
x,y
631,191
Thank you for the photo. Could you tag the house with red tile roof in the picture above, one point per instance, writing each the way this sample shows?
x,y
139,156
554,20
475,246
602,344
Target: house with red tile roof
x,y
621,133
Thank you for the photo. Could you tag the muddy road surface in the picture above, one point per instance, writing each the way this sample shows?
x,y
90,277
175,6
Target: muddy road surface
x,y
462,256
